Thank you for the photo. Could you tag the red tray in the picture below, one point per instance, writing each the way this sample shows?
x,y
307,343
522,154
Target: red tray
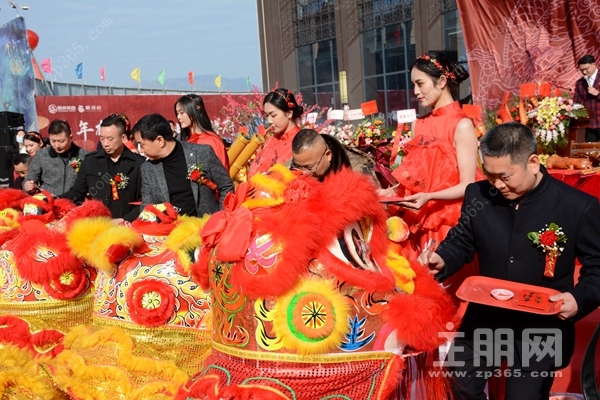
x,y
477,289
391,199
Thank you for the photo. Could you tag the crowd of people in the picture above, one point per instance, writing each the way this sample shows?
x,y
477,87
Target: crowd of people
x,y
453,211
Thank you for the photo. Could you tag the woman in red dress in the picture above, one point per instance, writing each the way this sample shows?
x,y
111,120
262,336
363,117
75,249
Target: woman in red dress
x,y
441,159
283,112
196,126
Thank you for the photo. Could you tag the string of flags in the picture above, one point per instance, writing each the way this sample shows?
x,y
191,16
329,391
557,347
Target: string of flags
x,y
46,65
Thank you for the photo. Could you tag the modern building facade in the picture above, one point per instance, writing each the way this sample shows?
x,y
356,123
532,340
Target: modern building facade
x,y
311,46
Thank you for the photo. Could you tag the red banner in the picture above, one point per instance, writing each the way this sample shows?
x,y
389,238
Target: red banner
x,y
510,42
84,113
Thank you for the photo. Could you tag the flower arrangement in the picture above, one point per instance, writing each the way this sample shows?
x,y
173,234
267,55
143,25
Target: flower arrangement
x,y
118,182
548,240
195,174
548,116
550,121
75,163
342,132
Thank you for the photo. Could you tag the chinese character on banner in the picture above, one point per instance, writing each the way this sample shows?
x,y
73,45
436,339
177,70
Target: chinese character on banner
x,y
98,128
83,129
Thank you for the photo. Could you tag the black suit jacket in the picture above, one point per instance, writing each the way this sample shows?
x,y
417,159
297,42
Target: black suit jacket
x,y
497,230
94,177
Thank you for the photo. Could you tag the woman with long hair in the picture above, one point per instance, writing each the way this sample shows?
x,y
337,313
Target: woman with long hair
x,y
441,159
283,113
196,126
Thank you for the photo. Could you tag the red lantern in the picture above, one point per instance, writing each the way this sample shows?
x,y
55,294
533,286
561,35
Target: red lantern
x,y
33,39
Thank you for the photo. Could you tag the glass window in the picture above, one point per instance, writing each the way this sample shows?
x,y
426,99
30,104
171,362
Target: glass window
x,y
386,74
318,73
454,45
305,67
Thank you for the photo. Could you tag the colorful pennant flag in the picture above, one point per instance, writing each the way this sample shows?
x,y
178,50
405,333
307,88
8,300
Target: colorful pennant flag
x,y
79,70
161,77
135,75
248,82
191,77
218,81
47,65
38,74
102,75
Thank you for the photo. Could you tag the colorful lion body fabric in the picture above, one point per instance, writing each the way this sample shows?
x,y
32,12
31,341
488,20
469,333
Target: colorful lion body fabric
x,y
45,289
310,299
150,322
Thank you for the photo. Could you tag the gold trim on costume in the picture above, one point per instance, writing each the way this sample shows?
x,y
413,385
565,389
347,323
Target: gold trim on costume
x,y
295,358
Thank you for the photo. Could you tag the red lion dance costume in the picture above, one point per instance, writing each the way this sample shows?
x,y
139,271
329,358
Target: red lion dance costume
x,y
310,298
45,289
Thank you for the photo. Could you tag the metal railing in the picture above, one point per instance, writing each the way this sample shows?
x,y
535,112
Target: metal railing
x,y
374,14
314,21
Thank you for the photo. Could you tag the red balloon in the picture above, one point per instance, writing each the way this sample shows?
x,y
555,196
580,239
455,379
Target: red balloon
x,y
33,38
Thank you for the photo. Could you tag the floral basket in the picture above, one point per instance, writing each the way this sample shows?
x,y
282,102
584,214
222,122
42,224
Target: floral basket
x,y
547,115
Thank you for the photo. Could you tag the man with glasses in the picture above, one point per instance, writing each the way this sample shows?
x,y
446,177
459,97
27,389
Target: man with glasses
x,y
586,93
317,155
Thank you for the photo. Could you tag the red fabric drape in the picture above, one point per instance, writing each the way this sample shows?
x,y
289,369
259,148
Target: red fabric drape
x,y
510,42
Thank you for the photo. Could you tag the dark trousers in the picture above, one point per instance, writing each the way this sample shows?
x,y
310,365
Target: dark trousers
x,y
530,385
592,134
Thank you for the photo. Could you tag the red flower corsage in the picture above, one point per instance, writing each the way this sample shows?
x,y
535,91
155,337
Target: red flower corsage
x,y
195,174
118,182
151,302
548,240
75,163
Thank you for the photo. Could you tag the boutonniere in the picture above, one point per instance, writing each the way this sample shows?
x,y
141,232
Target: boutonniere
x,y
75,163
118,182
548,240
195,174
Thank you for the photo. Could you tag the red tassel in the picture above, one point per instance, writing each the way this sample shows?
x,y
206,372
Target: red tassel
x,y
115,191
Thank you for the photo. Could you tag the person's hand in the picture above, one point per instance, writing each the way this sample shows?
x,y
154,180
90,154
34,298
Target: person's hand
x,y
118,221
389,192
415,201
593,91
569,308
432,261
30,187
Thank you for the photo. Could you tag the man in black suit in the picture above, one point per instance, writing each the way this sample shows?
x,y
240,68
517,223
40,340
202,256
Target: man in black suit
x,y
587,90
167,175
112,173
520,197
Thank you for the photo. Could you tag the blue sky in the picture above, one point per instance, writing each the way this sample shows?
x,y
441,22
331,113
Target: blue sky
x,y
206,36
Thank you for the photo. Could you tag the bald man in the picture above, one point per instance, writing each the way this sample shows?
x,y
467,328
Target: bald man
x,y
317,155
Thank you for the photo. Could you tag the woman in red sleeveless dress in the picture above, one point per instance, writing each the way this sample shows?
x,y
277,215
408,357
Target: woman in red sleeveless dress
x,y
441,159
282,112
196,126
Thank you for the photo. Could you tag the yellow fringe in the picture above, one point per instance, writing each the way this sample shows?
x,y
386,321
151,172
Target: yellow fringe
x,y
125,355
81,378
117,234
83,232
404,275
185,238
18,368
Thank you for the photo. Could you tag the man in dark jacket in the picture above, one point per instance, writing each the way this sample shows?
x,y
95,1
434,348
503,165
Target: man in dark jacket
x,y
187,175
498,215
55,168
112,173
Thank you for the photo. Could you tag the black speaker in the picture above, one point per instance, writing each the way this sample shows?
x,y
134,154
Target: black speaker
x,y
11,120
7,137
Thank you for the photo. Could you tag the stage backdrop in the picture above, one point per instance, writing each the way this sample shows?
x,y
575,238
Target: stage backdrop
x,y
16,72
510,42
84,113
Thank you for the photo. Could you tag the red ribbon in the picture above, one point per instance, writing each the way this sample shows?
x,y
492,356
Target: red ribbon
x,y
115,191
